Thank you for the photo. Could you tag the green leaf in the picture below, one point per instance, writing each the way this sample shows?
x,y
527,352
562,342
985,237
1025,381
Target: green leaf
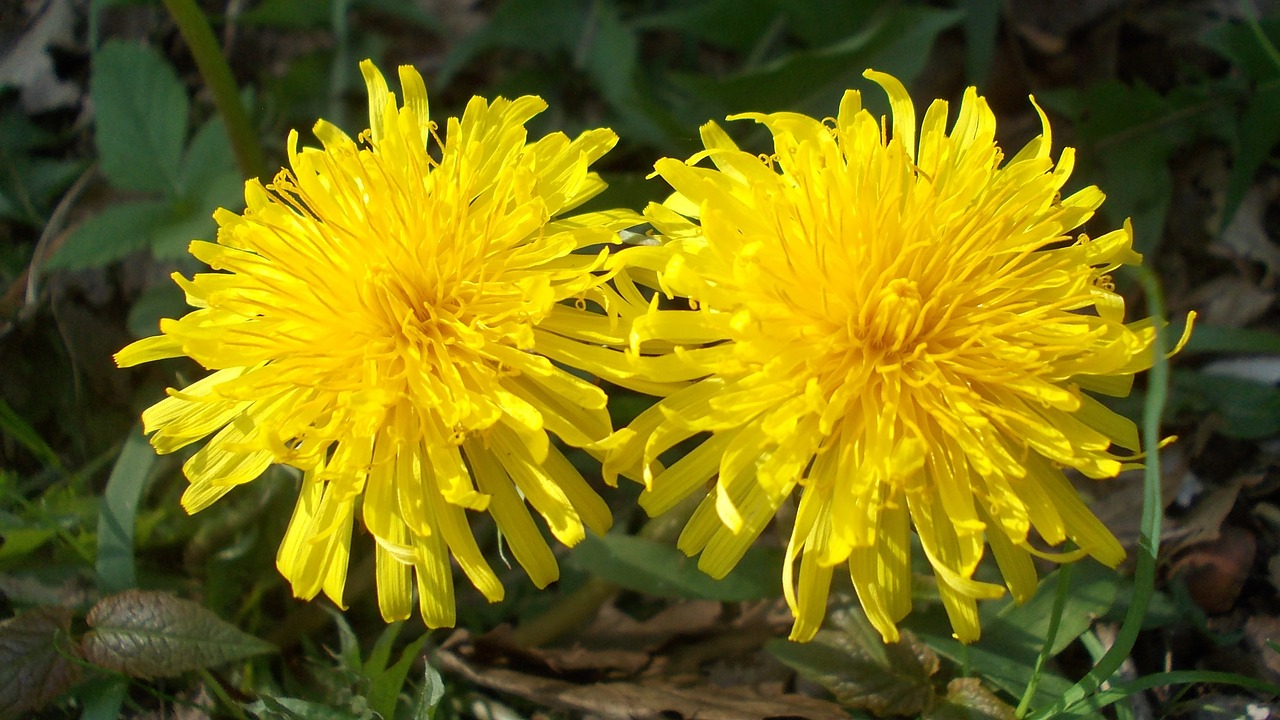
x,y
165,300
287,708
1013,634
897,42
861,671
36,663
185,221
14,426
967,700
385,685
734,25
1131,133
658,569
1256,137
115,233
1010,674
1239,43
156,634
118,513
140,110
545,27
1246,409
1222,339
294,14
207,159
981,35
102,698
430,694
1021,629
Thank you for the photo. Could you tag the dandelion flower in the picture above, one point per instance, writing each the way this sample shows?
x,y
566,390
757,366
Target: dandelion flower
x,y
386,321
899,322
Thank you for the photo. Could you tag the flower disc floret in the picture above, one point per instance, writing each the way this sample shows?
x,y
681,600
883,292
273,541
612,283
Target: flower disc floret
x,y
384,318
904,325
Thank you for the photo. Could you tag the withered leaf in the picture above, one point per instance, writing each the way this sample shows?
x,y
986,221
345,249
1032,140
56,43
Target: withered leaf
x,y
36,660
967,700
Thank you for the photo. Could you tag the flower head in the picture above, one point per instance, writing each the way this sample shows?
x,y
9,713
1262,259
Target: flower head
x,y
384,321
900,322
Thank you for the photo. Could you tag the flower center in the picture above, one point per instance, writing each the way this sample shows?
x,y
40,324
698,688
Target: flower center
x,y
892,319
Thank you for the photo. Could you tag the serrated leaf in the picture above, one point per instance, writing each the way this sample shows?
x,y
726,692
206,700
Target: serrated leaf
x,y
208,157
156,634
113,234
36,662
967,700
140,110
659,569
861,671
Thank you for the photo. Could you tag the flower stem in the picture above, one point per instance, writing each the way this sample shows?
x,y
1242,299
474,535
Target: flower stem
x,y
217,75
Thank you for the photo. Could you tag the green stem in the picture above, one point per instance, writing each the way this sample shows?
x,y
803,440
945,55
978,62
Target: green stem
x,y
1144,580
217,75
1055,618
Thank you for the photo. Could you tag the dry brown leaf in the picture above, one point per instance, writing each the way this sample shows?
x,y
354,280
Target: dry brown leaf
x,y
1246,236
1260,630
28,67
1215,571
1230,301
648,700
1204,522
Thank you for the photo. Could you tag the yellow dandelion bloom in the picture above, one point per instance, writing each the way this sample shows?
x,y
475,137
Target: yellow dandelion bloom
x,y
898,321
386,321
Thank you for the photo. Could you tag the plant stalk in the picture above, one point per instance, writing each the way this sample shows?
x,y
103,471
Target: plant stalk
x,y
217,76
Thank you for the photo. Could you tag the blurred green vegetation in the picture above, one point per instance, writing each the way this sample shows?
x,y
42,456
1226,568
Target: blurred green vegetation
x,y
1175,109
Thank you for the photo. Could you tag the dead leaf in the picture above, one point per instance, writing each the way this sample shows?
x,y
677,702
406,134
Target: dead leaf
x,y
1049,24
657,699
1246,236
1230,301
1204,522
1215,571
967,699
1118,502
1260,632
28,67
36,660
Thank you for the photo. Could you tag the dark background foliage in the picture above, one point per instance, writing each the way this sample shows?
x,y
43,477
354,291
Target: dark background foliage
x,y
112,157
